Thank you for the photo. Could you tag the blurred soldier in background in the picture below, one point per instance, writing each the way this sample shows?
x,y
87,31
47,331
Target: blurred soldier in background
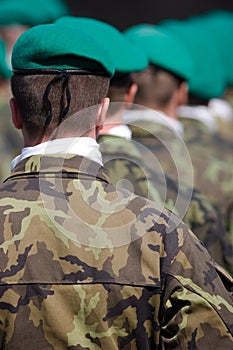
x,y
15,17
210,146
160,88
163,86
123,158
209,81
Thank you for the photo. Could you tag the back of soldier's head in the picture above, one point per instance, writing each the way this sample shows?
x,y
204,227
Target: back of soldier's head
x,y
156,86
57,74
29,90
170,64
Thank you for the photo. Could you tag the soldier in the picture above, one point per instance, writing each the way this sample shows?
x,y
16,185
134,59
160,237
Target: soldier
x,y
122,157
162,87
84,265
209,145
208,81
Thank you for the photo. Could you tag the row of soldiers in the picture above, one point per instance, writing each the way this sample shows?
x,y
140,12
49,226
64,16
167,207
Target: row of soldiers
x,y
185,87
168,132
87,264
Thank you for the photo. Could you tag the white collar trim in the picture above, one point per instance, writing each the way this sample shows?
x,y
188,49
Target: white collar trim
x,y
82,146
121,131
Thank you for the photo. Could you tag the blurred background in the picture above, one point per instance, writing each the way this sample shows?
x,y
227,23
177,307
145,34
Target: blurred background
x,y
124,13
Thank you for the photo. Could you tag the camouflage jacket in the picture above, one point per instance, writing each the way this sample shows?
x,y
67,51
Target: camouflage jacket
x,y
212,176
122,159
165,146
87,266
212,157
198,137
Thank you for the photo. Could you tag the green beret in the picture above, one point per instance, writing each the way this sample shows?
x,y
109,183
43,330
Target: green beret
x,y
5,70
219,25
30,13
209,78
49,47
126,56
162,49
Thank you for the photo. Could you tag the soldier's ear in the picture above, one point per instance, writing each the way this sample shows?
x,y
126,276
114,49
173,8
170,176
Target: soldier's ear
x,y
16,117
129,97
183,94
103,108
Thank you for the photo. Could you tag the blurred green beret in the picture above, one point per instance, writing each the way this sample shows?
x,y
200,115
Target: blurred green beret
x,y
5,70
49,47
162,49
219,25
30,13
126,56
209,78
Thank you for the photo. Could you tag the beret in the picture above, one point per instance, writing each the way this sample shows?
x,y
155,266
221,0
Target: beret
x,y
30,13
5,70
209,75
126,56
49,47
219,25
162,49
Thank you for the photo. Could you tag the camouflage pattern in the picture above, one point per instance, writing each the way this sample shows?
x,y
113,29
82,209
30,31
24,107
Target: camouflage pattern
x,y
212,176
158,291
123,160
198,137
212,158
165,146
225,130
196,132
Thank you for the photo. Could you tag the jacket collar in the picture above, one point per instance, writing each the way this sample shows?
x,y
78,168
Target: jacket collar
x,y
54,165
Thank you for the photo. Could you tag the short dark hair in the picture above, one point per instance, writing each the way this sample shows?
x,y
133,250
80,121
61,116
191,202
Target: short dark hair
x,y
29,90
155,86
119,87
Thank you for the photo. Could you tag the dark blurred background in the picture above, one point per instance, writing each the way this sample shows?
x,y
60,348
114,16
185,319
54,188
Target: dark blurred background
x,y
123,14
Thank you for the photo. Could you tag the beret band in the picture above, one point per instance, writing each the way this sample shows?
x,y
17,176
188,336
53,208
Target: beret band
x,y
58,71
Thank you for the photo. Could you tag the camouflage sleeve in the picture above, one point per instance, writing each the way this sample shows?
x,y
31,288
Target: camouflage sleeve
x,y
206,221
190,322
195,314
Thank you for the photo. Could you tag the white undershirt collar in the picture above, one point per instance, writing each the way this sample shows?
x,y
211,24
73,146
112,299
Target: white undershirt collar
x,y
221,109
121,131
82,146
158,117
201,113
